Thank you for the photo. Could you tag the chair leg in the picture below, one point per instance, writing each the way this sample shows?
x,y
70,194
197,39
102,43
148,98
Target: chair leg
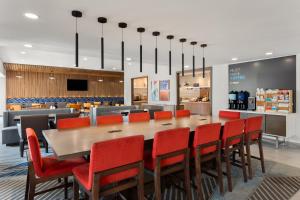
x,y
75,190
31,191
157,184
243,162
261,155
187,180
46,147
220,175
228,170
248,151
198,177
66,187
140,186
21,148
27,186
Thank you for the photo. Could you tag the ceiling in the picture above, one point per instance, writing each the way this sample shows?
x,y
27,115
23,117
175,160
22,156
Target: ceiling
x,y
232,28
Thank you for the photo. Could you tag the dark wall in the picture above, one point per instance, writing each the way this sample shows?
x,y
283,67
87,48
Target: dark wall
x,y
276,73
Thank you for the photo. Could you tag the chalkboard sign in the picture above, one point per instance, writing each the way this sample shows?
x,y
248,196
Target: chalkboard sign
x,y
275,73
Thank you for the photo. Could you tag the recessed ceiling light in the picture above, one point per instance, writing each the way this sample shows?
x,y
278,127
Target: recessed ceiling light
x,y
128,59
121,81
234,59
28,45
23,52
85,59
269,53
129,63
186,66
100,80
31,15
114,68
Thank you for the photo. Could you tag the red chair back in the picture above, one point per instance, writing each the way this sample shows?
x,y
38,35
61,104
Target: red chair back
x,y
139,117
253,124
70,123
229,115
233,128
109,119
35,152
116,153
182,113
170,141
205,134
159,115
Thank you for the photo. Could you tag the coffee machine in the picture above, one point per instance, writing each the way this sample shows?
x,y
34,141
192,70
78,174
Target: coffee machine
x,y
233,99
242,100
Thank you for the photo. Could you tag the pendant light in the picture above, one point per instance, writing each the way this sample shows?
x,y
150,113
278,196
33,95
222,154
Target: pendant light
x,y
122,25
77,14
102,20
193,43
141,30
170,37
203,60
182,40
156,34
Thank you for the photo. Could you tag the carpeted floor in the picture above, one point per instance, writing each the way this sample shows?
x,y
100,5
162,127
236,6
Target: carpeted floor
x,y
13,178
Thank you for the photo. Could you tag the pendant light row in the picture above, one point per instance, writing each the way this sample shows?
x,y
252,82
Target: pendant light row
x,y
102,20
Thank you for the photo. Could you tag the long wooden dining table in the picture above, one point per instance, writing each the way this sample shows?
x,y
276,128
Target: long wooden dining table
x,y
73,143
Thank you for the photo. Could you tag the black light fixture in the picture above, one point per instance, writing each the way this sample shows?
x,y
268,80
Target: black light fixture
x,y
102,20
122,25
182,40
156,33
170,37
193,43
77,14
141,30
203,60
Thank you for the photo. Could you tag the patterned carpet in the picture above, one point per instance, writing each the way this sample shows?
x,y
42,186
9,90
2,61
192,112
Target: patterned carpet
x,y
13,179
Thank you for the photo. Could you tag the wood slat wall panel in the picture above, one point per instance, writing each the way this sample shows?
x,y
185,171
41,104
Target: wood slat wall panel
x,y
37,84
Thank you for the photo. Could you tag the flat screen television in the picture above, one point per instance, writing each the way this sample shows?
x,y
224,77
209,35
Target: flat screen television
x,y
77,85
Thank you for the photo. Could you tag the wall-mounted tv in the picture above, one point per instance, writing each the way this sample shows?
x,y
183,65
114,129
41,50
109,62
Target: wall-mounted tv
x,y
77,85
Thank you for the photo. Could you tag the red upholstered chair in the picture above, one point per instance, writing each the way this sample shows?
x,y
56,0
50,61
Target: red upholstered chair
x,y
109,119
232,141
229,114
182,113
253,131
207,147
170,154
111,162
44,169
139,117
160,115
72,123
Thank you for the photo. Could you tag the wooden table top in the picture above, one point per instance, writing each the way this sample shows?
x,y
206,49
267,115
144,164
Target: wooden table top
x,y
77,142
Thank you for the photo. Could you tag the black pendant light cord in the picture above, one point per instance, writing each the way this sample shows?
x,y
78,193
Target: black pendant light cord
x,y
203,60
182,40
122,56
141,30
156,34
193,43
170,37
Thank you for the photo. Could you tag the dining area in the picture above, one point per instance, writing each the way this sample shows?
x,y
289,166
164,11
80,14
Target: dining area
x,y
137,157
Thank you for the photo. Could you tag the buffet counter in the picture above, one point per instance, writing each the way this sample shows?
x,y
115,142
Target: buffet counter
x,y
199,108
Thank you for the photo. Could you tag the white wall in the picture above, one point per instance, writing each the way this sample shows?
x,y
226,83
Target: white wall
x,y
2,89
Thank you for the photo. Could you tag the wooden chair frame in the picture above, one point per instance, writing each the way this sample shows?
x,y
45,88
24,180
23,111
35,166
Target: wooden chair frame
x,y
32,181
204,158
96,192
248,143
228,150
183,166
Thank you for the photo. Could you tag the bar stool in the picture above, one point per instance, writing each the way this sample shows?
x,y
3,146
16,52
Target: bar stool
x,y
254,135
117,163
72,123
109,119
229,114
207,147
182,113
139,117
233,140
170,154
44,169
161,115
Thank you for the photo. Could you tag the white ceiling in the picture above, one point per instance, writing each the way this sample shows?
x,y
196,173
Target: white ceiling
x,y
232,28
